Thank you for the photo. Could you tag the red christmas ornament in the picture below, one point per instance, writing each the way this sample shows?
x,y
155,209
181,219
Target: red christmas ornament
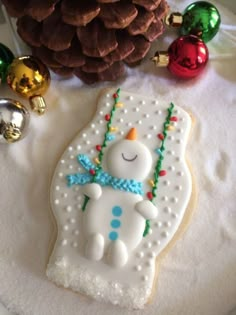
x,y
186,57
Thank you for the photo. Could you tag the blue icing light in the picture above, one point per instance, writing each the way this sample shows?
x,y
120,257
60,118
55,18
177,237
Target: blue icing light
x,y
115,224
110,137
113,236
117,211
158,151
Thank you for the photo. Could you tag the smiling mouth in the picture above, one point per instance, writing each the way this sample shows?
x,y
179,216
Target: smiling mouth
x,y
129,160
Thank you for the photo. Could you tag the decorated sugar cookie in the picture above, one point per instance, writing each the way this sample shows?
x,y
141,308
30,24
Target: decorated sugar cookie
x,y
119,194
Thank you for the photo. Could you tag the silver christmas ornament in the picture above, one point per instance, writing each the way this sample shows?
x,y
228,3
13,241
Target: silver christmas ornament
x,y
14,120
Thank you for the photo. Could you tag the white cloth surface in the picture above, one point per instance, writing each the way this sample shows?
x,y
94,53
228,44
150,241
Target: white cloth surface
x,y
198,275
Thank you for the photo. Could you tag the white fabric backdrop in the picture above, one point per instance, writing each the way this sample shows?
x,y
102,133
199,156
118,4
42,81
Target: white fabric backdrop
x,y
198,276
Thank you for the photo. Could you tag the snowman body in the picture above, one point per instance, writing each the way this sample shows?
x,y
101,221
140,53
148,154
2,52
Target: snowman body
x,y
114,216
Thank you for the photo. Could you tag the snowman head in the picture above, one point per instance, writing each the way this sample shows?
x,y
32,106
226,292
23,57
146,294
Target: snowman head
x,y
129,158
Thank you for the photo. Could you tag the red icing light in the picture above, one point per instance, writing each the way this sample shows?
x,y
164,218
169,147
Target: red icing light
x,y
150,195
98,147
160,136
107,117
92,172
115,95
173,118
162,173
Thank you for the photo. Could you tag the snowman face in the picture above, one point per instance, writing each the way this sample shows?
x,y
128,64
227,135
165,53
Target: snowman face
x,y
129,159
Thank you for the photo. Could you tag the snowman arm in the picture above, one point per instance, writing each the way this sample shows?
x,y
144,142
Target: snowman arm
x,y
147,209
92,190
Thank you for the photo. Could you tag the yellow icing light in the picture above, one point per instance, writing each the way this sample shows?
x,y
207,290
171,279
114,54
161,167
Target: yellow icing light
x,y
96,160
119,105
170,128
151,183
113,129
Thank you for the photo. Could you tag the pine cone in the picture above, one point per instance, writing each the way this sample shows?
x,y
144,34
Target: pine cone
x,y
91,39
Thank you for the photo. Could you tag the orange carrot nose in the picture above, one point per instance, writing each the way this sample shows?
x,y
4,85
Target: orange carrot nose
x,y
132,134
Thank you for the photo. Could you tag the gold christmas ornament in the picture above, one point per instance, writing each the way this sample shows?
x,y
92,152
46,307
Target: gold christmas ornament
x,y
30,78
14,120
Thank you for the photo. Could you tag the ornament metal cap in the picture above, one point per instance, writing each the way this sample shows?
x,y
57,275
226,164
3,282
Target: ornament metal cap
x,y
161,58
37,104
174,19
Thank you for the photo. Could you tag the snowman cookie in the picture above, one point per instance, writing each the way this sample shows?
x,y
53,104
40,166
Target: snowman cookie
x,y
119,194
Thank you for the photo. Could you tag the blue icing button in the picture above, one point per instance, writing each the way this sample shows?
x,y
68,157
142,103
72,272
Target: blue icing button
x,y
113,236
158,151
115,224
117,211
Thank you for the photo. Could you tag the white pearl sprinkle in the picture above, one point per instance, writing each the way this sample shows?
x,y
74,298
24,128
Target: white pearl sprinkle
x,y
65,227
108,104
92,151
150,231
125,111
171,168
140,122
143,102
167,209
181,119
70,167
180,173
71,220
121,120
72,157
158,112
136,109
74,244
164,198
151,254
140,254
167,224
57,188
107,95
166,182
68,208
64,195
157,243
62,161
176,111
78,147
131,98
171,138
179,141
146,115
60,174
76,188
177,159
155,102
101,113
178,187
100,121
76,232
149,263
56,202
171,152
129,124
70,149
175,215
174,199
145,278
180,130
64,242
138,268
148,245
148,136
154,127
92,126
121,132
87,141
79,206
84,135
164,234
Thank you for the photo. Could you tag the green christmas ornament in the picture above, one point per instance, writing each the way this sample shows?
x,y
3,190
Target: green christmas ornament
x,y
200,18
6,58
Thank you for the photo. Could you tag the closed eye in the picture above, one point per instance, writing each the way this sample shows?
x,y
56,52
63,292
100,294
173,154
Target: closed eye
x,y
129,159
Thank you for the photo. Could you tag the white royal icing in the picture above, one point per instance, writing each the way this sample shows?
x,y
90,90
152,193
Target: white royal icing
x,y
101,251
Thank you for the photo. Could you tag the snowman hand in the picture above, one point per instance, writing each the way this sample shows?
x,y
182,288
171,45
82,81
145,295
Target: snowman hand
x,y
147,209
93,191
